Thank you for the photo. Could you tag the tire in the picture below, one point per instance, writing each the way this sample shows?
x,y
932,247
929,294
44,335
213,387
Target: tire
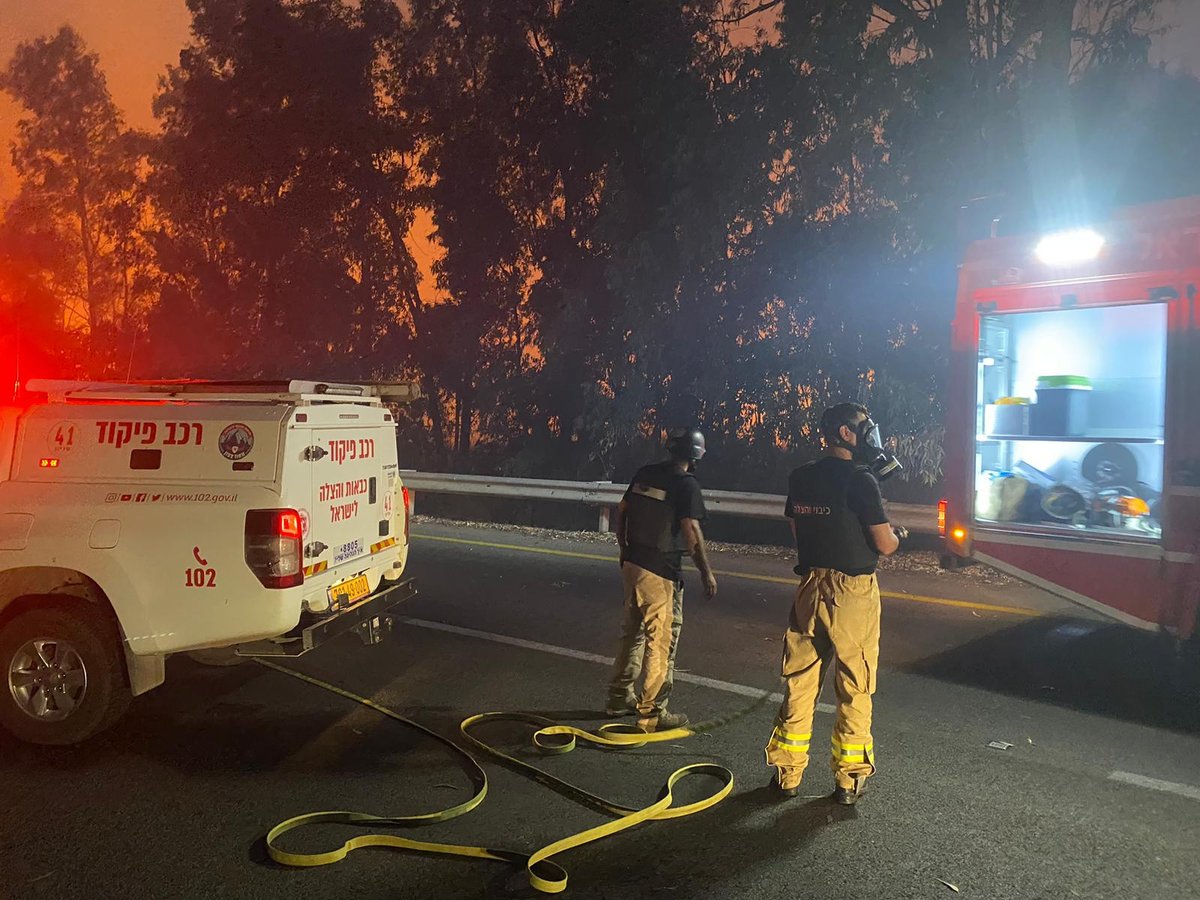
x,y
71,637
218,657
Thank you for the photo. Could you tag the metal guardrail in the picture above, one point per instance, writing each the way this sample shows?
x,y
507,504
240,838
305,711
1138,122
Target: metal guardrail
x,y
606,495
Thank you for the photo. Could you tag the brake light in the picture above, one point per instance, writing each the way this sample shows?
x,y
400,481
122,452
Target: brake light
x,y
273,550
407,508
289,523
942,506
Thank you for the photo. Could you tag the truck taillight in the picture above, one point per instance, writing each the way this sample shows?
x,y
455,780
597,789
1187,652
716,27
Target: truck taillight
x,y
273,549
942,505
407,510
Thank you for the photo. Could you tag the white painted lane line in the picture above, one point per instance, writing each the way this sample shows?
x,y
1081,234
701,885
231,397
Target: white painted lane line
x,y
1155,784
717,685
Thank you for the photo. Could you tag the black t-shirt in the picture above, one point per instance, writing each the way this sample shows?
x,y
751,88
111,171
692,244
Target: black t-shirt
x,y
658,498
833,503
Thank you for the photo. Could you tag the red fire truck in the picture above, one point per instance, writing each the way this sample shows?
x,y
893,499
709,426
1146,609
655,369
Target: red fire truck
x,y
1073,419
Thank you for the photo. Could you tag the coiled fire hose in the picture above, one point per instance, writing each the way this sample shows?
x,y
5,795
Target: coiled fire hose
x,y
550,737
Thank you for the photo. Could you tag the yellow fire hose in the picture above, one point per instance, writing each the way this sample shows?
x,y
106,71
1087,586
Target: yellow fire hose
x,y
544,874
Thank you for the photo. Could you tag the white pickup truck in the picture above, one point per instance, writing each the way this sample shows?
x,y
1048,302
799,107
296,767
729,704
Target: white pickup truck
x,y
141,520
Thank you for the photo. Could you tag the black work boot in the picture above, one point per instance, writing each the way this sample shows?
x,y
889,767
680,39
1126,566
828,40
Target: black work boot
x,y
784,793
621,706
847,796
664,721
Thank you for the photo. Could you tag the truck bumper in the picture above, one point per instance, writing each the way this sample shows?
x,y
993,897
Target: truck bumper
x,y
365,616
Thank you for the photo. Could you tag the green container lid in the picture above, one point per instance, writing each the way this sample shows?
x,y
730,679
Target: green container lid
x,y
1063,381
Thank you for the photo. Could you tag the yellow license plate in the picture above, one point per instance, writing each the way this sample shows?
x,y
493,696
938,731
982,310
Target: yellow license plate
x,y
349,591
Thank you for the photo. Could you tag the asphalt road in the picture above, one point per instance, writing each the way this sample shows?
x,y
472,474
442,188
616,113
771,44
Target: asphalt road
x,y
1097,796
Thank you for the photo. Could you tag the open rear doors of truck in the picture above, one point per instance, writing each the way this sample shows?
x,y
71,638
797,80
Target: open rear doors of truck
x,y
1073,422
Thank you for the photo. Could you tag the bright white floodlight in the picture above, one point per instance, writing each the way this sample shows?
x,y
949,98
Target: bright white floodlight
x,y
1066,248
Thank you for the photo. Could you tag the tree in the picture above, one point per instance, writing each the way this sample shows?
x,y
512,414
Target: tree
x,y
282,184
481,105
37,339
890,115
78,165
581,216
647,217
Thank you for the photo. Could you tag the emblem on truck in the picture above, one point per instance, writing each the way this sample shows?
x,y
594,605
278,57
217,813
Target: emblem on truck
x,y
236,441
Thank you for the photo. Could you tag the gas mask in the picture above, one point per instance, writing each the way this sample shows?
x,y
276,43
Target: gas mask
x,y
869,451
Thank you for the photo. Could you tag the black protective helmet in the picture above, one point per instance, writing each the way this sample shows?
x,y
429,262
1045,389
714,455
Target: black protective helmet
x,y
686,443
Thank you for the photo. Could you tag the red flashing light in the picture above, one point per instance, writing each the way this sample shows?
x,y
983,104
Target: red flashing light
x,y
47,462
407,508
942,506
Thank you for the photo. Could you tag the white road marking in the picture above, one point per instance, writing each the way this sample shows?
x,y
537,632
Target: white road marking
x,y
1155,784
726,686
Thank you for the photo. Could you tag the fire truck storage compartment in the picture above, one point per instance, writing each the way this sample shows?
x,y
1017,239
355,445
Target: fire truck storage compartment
x,y
1091,459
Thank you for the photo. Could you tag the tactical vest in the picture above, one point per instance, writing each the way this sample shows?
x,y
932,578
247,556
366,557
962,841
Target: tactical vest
x,y
829,535
650,520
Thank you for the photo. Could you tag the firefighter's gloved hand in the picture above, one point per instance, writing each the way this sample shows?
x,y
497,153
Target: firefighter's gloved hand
x,y
901,532
710,586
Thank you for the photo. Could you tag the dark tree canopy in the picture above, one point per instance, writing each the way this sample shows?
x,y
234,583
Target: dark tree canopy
x,y
647,212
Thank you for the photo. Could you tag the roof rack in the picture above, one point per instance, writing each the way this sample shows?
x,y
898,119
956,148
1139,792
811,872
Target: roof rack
x,y
294,391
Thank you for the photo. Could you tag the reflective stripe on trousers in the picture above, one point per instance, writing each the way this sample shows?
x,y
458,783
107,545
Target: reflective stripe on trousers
x,y
789,741
851,753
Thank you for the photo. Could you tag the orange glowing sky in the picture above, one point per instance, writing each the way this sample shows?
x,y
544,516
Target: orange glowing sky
x,y
136,41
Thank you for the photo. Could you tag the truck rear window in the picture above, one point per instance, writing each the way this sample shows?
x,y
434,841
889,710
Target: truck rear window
x,y
145,459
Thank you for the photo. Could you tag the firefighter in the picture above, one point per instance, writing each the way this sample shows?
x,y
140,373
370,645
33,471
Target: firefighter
x,y
657,521
841,529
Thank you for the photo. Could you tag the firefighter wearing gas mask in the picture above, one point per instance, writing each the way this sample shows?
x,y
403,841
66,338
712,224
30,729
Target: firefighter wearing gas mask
x,y
657,521
841,530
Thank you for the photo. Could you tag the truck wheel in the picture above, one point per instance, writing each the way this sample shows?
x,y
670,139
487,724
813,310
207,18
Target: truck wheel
x,y
64,675
217,656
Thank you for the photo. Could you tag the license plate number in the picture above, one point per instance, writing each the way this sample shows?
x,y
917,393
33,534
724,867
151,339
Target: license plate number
x,y
350,591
